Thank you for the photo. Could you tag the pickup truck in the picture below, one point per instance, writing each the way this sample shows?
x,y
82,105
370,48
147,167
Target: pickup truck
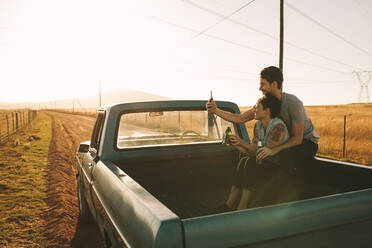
x,y
153,174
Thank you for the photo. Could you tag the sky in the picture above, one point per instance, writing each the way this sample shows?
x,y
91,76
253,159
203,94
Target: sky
x,y
183,49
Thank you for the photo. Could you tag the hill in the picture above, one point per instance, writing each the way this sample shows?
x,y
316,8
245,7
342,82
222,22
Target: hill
x,y
4,105
89,102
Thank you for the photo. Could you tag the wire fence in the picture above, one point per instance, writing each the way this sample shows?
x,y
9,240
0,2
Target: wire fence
x,y
12,121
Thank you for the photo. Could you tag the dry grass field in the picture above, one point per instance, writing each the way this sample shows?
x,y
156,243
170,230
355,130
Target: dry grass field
x,y
23,185
329,124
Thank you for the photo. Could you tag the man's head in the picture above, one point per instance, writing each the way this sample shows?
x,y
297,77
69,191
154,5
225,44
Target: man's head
x,y
271,79
267,106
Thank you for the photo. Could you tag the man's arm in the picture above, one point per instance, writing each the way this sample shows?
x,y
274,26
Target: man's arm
x,y
236,118
295,140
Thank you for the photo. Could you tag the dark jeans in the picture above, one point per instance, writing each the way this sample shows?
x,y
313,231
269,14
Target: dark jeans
x,y
251,175
297,156
238,177
275,180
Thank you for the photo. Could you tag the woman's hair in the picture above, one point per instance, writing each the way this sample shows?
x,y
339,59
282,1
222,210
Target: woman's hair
x,y
271,102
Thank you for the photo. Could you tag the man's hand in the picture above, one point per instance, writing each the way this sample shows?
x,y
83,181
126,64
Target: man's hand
x,y
265,152
211,106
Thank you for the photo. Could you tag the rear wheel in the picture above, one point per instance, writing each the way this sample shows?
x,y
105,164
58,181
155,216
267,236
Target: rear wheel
x,y
106,240
85,214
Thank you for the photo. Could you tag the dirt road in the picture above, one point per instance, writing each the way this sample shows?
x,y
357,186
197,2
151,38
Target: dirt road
x,y
64,227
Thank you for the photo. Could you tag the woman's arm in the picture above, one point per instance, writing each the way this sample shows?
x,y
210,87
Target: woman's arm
x,y
244,147
277,135
273,145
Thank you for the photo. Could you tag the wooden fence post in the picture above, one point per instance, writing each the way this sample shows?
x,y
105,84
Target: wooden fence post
x,y
344,147
0,131
12,122
16,121
7,126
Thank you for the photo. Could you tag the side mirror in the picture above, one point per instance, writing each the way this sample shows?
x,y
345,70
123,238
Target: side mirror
x,y
83,148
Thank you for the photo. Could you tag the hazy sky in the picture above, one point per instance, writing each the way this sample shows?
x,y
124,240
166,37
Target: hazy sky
x,y
56,49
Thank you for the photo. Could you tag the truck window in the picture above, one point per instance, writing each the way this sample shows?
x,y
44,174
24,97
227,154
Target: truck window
x,y
169,128
97,130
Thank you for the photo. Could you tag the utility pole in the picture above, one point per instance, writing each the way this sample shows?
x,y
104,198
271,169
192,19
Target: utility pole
x,y
100,93
281,35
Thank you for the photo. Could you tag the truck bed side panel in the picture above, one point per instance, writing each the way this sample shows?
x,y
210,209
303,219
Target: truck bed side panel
x,y
141,220
251,226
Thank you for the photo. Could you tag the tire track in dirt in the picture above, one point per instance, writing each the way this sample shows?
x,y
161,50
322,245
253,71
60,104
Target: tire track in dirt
x,y
64,228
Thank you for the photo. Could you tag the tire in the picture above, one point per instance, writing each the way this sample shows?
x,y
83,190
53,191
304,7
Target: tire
x,y
84,211
107,242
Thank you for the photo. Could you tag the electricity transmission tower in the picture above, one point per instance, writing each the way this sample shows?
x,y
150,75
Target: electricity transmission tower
x,y
364,77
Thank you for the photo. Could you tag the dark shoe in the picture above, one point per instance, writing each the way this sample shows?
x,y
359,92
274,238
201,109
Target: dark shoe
x,y
222,207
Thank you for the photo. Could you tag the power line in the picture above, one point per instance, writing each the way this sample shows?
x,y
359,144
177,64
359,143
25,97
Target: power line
x,y
318,82
266,34
219,76
320,55
213,67
9,28
327,29
256,81
309,80
5,44
274,55
4,27
287,81
210,27
364,9
232,42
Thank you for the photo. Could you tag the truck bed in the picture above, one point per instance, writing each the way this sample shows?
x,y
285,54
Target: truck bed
x,y
194,187
194,204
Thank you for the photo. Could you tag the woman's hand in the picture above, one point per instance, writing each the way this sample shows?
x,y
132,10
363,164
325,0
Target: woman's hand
x,y
235,140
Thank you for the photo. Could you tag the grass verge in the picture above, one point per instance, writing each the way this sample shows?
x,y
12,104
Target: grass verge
x,y
23,185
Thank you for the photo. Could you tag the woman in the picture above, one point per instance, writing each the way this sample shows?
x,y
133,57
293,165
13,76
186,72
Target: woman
x,y
271,132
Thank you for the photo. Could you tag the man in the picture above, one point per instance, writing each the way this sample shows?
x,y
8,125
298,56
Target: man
x,y
303,142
